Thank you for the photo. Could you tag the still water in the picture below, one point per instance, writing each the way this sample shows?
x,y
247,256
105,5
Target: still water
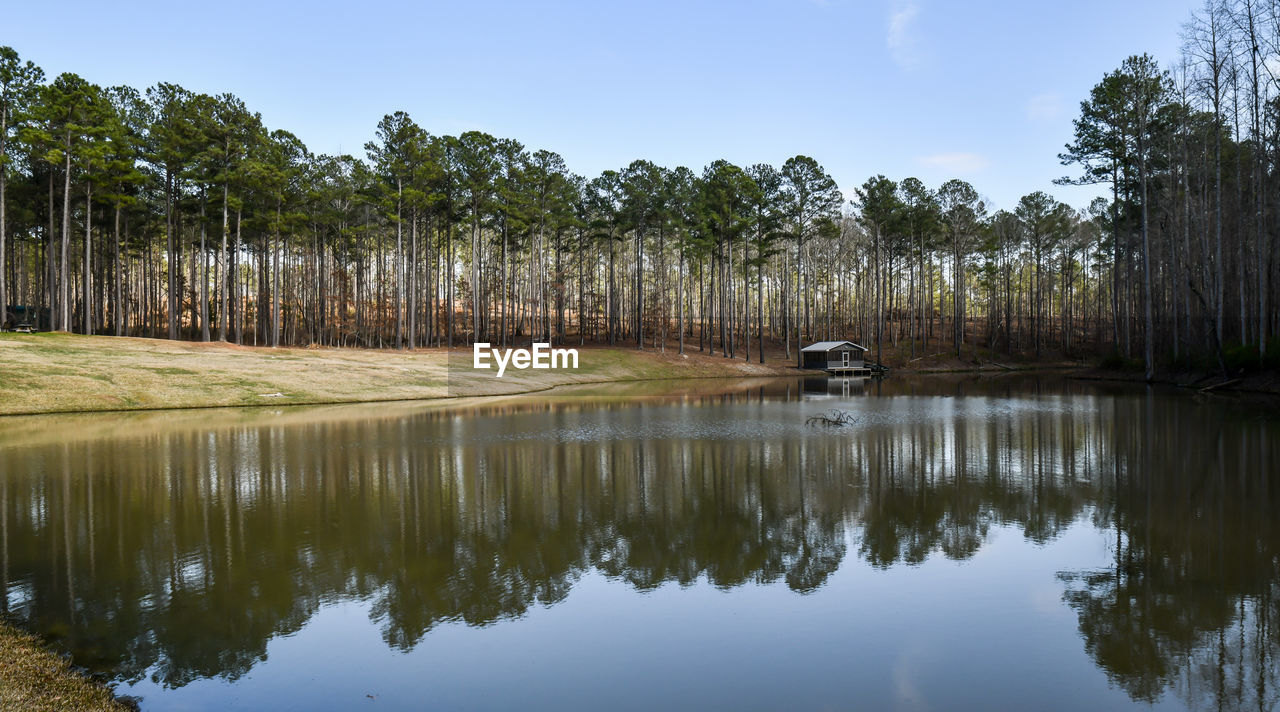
x,y
1007,543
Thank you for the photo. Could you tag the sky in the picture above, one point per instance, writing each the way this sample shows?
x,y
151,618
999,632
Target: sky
x,y
936,89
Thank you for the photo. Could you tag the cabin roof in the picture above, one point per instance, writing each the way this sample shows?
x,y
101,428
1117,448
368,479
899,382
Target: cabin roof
x,y
829,345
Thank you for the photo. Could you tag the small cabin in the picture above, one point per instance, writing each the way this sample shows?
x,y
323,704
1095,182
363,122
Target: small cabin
x,y
835,357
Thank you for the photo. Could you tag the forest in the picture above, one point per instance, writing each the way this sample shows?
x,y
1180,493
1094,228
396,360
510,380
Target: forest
x,y
173,214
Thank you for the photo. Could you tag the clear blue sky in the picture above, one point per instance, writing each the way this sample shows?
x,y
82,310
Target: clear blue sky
x,y
984,91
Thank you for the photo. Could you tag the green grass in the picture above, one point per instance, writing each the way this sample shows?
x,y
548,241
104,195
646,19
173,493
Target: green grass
x,y
172,371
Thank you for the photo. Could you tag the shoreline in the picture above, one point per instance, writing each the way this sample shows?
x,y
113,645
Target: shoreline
x,y
66,374
36,678
367,401
1263,383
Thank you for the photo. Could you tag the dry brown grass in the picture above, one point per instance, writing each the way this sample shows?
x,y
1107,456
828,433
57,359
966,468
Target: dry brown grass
x,y
52,373
34,679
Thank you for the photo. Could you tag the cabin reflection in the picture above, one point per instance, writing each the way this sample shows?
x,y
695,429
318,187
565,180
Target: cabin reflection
x,y
842,386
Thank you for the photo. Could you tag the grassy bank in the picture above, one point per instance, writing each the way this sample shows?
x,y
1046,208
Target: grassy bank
x,y
58,373
33,678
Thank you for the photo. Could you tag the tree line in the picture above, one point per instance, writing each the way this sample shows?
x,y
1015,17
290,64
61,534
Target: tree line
x,y
174,214
1189,157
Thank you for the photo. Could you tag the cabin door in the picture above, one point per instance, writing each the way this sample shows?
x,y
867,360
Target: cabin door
x,y
844,359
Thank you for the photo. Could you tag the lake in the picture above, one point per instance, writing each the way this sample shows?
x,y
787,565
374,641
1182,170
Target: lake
x,y
965,543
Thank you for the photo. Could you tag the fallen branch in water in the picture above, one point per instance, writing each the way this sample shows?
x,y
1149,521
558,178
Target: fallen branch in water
x,y
834,418
1219,385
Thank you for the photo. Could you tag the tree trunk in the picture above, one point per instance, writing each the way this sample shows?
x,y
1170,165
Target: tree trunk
x,y
86,273
221,270
64,316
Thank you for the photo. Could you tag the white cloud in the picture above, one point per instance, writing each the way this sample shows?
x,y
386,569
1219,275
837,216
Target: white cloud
x,y
906,692
957,162
1044,107
899,39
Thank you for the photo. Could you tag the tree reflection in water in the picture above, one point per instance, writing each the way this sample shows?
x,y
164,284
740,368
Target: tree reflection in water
x,y
1191,599
178,553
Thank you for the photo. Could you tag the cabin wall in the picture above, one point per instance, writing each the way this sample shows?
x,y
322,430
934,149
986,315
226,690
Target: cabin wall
x,y
828,360
815,360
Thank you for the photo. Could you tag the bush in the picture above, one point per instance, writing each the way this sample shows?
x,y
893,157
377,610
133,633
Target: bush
x,y
1273,353
1240,358
1115,361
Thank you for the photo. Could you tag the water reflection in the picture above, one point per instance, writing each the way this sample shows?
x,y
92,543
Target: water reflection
x,y
1191,599
177,553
